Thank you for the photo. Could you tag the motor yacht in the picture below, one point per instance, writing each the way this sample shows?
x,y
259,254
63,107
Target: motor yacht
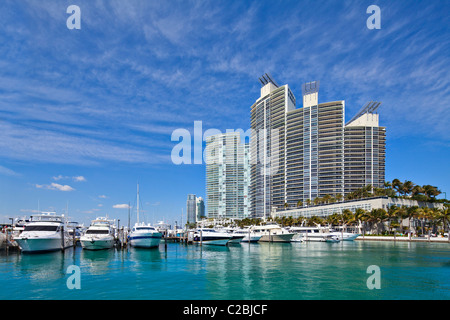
x,y
248,235
212,237
314,234
99,235
272,232
345,236
144,236
44,232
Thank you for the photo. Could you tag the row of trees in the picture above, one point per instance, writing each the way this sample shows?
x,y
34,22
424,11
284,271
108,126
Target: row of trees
x,y
420,220
394,189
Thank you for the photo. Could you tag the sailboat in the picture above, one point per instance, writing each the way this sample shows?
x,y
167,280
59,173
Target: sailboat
x,y
144,235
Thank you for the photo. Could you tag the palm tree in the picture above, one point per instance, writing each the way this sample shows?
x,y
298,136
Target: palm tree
x,y
401,213
407,187
327,198
391,214
339,197
299,203
345,218
411,213
316,201
444,218
376,216
361,217
397,185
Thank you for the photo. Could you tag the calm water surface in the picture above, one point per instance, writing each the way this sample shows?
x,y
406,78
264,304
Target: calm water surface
x,y
264,271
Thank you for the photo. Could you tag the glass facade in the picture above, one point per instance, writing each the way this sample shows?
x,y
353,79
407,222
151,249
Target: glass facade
x,y
227,176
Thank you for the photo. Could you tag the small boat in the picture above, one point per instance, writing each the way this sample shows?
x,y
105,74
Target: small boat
x,y
44,232
272,232
99,236
144,235
212,237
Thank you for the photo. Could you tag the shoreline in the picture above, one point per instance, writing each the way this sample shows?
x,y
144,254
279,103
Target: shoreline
x,y
403,239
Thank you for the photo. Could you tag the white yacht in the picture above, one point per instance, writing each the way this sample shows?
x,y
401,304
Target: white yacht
x,y
345,236
236,237
249,235
212,237
272,232
314,234
144,235
44,232
99,236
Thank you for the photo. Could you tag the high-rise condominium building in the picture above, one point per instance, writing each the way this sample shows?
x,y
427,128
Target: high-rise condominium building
x,y
364,149
298,154
227,176
268,146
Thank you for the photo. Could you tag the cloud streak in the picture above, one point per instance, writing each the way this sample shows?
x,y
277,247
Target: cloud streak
x,y
55,186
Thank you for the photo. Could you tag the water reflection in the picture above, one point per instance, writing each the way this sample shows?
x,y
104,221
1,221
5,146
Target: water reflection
x,y
97,262
43,267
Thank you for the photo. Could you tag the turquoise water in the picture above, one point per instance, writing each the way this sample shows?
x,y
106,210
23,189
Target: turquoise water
x,y
275,271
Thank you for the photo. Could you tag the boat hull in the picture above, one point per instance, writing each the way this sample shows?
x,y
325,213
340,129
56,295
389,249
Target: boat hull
x,y
236,239
251,239
150,241
97,244
216,242
285,237
41,244
212,240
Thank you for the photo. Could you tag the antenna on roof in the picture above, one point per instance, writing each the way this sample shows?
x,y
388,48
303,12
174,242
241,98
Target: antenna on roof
x,y
369,107
266,78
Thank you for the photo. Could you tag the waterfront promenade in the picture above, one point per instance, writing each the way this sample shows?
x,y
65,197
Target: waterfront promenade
x,y
404,239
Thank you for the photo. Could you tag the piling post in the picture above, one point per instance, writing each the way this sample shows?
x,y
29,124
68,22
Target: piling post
x,y
165,240
201,237
73,238
62,239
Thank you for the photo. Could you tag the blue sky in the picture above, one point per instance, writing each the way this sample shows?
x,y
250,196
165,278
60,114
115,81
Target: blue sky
x,y
102,102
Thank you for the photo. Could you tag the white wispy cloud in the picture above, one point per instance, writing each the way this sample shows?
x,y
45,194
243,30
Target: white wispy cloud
x,y
55,186
121,206
7,172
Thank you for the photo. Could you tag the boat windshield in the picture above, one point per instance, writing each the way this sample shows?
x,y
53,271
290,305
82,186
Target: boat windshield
x,y
143,228
97,232
40,228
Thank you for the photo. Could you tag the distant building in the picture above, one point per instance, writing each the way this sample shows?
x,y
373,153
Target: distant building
x,y
195,208
200,208
227,176
367,204
191,208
